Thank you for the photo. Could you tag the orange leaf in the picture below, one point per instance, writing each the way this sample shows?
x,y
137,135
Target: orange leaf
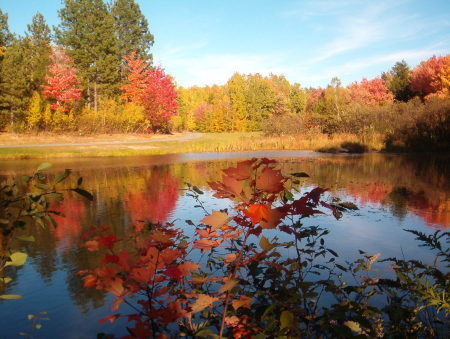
x,y
216,220
89,280
274,218
232,185
206,233
243,301
202,302
187,267
270,181
257,213
242,171
91,245
229,258
205,244
115,287
229,284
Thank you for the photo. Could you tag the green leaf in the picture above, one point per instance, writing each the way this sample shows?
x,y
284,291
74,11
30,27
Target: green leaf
x,y
10,296
38,326
342,268
26,179
60,177
286,319
30,316
43,187
268,311
259,336
26,238
17,259
189,222
204,333
83,193
44,166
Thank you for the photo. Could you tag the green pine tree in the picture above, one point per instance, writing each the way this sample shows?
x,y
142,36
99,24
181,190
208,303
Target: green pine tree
x,y
131,29
87,32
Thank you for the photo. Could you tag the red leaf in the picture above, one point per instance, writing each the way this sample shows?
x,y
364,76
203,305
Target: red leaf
x,y
270,180
315,194
112,318
108,241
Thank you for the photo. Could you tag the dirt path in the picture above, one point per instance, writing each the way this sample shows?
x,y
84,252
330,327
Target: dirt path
x,y
186,137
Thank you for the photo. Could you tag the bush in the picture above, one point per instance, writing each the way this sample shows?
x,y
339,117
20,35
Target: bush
x,y
279,125
428,128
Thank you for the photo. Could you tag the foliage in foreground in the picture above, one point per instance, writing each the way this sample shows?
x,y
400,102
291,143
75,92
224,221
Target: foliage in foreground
x,y
255,270
24,204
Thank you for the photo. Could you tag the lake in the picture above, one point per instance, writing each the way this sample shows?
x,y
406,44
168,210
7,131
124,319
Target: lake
x,y
393,192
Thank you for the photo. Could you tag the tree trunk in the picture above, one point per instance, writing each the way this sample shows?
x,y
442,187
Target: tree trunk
x,y
95,97
11,116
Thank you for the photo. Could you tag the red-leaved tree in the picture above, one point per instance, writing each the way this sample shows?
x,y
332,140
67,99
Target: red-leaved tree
x,y
428,78
370,92
62,81
151,88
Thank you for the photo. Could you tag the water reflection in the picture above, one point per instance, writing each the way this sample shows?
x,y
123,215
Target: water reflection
x,y
128,190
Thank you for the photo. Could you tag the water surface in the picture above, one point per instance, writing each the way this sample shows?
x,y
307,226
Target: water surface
x,y
393,192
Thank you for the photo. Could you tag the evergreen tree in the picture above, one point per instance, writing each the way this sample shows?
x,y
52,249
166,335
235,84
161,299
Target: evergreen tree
x,y
87,32
15,91
5,35
131,30
398,80
40,48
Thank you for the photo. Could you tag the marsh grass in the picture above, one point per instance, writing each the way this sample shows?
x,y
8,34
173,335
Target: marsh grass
x,y
208,142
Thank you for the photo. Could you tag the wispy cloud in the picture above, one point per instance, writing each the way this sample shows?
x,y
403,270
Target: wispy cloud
x,y
215,68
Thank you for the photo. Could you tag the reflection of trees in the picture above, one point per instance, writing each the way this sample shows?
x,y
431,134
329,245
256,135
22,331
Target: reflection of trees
x,y
126,193
76,259
157,199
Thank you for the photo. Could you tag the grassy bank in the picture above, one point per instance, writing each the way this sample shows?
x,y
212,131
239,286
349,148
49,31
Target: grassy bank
x,y
209,142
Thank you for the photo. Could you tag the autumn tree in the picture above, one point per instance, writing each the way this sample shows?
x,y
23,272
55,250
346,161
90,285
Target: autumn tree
x,y
237,87
62,84
429,79
397,80
153,89
370,92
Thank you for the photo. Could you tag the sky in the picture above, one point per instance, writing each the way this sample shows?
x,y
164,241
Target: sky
x,y
308,41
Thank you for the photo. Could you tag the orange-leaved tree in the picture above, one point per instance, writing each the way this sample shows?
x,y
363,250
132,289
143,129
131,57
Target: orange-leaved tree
x,y
151,88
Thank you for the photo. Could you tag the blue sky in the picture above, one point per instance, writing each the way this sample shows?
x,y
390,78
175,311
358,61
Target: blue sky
x,y
205,42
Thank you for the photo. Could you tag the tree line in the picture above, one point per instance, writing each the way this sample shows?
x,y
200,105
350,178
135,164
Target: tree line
x,y
93,73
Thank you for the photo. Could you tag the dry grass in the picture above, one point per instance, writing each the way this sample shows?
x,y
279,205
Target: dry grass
x,y
52,138
209,142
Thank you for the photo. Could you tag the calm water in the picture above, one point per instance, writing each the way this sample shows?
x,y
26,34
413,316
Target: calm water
x,y
393,192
